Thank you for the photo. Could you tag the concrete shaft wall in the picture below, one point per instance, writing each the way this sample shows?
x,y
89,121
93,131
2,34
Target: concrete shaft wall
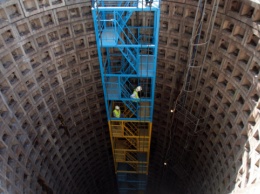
x,y
221,155
49,66
54,136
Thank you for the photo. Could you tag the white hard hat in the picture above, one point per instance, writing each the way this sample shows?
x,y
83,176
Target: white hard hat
x,y
117,107
138,89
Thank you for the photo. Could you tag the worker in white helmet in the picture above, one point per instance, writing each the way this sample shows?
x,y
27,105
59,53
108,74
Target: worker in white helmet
x,y
135,93
117,112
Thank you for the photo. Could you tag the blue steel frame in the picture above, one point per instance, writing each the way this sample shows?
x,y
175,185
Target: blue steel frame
x,y
128,58
110,34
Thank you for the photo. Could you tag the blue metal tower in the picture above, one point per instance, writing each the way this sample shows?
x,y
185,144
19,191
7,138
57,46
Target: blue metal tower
x,y
127,42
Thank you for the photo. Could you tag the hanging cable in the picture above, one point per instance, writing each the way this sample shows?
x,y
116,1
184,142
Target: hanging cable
x,y
192,56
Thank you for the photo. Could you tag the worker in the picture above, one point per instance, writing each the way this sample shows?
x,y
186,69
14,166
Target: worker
x,y
135,93
117,112
150,2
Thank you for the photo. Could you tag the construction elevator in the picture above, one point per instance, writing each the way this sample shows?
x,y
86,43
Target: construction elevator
x,y
127,42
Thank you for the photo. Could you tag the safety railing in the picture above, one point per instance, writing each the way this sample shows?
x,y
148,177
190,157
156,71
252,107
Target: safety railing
x,y
113,67
122,29
122,19
127,86
132,128
131,143
145,39
125,67
112,87
133,107
130,58
123,16
124,3
117,129
128,131
108,32
130,111
115,3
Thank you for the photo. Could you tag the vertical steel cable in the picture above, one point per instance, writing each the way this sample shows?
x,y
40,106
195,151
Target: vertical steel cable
x,y
192,56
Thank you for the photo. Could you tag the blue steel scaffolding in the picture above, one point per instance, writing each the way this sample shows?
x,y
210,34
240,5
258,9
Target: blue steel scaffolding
x,y
127,42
